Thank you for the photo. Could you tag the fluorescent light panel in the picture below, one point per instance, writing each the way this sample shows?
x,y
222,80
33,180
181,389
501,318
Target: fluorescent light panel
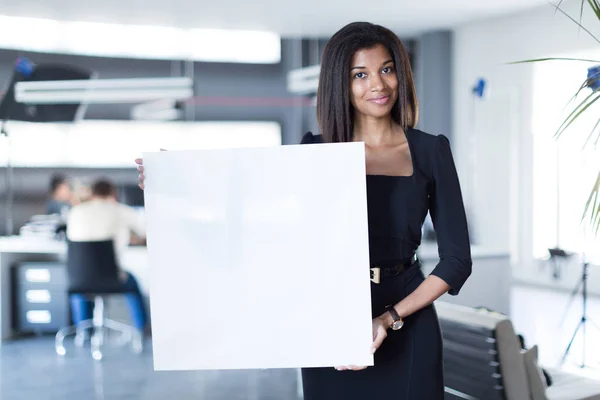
x,y
103,90
139,41
101,97
128,83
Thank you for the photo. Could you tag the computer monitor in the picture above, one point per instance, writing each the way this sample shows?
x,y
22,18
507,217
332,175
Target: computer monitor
x,y
131,195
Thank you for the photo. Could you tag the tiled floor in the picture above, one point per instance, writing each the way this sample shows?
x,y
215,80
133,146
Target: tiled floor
x,y
29,368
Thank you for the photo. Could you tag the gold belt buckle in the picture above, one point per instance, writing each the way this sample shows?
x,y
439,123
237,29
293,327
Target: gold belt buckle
x,y
376,275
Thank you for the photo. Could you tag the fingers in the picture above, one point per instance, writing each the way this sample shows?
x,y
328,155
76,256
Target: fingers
x,y
141,181
381,335
350,368
140,168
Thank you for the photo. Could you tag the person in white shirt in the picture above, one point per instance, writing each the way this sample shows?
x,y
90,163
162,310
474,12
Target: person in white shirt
x,y
102,217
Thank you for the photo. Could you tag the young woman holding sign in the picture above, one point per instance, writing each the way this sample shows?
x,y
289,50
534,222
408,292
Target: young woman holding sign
x,y
367,94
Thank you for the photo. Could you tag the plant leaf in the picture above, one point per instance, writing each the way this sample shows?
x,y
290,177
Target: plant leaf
x,y
563,129
553,59
572,117
584,105
584,85
597,137
575,21
579,106
591,134
595,6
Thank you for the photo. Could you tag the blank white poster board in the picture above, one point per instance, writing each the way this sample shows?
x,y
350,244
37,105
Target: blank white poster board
x,y
259,257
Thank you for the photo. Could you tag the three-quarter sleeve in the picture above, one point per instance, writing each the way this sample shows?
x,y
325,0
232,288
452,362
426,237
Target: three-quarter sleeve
x,y
449,219
309,138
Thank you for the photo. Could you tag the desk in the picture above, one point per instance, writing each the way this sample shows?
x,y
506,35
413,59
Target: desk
x,y
15,249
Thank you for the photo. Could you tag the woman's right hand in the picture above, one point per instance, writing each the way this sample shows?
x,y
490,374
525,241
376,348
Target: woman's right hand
x,y
140,169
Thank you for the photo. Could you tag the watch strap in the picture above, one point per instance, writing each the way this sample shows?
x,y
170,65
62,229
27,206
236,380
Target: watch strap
x,y
393,313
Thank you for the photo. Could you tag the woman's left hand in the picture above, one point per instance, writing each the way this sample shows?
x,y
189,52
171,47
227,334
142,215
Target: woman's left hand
x,y
379,334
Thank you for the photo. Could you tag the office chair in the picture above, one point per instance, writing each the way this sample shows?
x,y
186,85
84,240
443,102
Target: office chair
x,y
92,271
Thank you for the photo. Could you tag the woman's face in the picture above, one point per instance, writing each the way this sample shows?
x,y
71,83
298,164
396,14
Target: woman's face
x,y
373,82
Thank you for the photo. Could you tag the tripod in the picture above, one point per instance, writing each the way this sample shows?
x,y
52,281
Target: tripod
x,y
584,319
571,298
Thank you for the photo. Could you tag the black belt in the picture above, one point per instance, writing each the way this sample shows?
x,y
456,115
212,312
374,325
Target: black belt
x,y
387,272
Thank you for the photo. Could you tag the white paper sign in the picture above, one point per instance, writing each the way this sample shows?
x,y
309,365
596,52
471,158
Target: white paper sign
x,y
259,257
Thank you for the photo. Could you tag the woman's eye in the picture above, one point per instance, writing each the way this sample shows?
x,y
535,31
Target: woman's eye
x,y
387,70
359,75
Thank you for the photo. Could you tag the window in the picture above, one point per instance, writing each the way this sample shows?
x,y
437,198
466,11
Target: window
x,y
115,144
563,174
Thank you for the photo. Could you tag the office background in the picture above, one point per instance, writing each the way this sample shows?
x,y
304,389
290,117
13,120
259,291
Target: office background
x,y
501,143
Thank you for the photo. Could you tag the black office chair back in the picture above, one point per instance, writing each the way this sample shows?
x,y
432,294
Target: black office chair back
x,y
471,362
92,268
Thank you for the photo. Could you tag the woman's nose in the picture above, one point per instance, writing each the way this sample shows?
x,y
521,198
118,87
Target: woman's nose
x,y
376,83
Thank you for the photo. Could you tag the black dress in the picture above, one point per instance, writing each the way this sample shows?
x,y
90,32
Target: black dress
x,y
408,365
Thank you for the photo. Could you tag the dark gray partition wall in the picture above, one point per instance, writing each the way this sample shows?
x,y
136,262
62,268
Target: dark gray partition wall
x,y
433,75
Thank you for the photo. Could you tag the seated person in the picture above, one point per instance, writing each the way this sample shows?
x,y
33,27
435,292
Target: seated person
x,y
102,217
61,197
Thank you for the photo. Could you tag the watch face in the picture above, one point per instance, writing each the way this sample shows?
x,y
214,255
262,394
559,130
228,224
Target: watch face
x,y
397,325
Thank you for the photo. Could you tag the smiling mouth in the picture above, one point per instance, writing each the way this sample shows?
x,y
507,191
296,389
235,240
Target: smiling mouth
x,y
381,100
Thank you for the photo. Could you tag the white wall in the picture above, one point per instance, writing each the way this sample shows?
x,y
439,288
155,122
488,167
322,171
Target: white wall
x,y
493,137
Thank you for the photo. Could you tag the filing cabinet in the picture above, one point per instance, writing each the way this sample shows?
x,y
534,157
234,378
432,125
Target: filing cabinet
x,y
40,297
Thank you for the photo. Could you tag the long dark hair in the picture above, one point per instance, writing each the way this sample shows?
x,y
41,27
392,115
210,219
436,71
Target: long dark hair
x,y
335,114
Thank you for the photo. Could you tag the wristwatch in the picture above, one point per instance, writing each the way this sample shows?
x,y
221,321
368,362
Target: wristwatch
x,y
398,322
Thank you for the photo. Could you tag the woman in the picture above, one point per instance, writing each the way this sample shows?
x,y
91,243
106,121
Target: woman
x,y
366,93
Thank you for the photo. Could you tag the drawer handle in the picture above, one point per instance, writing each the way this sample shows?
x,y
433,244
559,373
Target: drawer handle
x,y
39,317
37,275
38,296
